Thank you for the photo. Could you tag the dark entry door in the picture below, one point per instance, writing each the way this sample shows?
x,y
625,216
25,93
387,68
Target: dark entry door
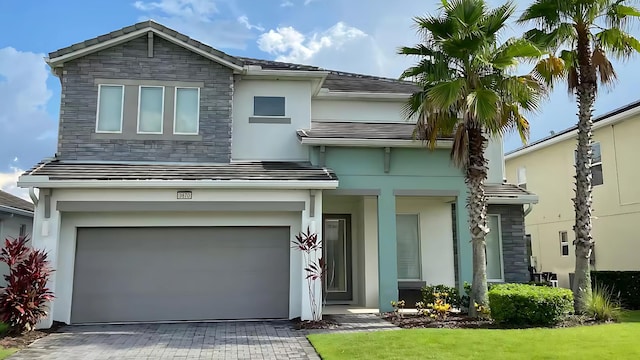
x,y
337,252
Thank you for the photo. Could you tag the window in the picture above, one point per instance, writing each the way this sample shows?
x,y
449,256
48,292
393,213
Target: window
x,y
187,111
150,109
564,243
494,249
23,230
596,164
522,177
268,106
110,108
408,243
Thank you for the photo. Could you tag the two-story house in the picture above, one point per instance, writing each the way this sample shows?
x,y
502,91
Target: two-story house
x,y
616,194
183,174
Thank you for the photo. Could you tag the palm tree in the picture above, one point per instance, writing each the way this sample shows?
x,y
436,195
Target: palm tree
x,y
468,91
581,36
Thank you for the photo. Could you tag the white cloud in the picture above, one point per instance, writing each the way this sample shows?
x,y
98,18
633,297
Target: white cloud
x,y
290,45
8,182
201,9
286,3
28,132
203,20
307,2
244,20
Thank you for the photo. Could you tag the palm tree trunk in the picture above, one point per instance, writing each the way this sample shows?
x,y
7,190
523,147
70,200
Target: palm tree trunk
x,y
586,92
476,174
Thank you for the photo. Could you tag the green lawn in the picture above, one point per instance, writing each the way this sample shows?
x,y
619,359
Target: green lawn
x,y
611,341
4,353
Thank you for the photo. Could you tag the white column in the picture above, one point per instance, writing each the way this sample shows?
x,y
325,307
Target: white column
x,y
370,233
314,223
45,237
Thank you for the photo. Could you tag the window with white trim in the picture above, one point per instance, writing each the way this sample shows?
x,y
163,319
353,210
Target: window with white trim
x,y
110,108
268,106
23,230
150,109
564,243
597,177
494,249
187,111
522,177
408,247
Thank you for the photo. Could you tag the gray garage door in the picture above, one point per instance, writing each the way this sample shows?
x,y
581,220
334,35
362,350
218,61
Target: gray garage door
x,y
194,273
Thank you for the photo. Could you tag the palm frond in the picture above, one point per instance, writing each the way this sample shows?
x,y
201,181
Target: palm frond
x,y
514,50
619,43
447,93
606,73
549,70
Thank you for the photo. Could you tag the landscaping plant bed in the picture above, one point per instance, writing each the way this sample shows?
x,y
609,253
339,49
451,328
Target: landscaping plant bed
x,y
326,323
23,340
463,321
453,321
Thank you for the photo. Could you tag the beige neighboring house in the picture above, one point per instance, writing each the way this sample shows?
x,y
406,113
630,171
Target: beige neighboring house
x,y
546,167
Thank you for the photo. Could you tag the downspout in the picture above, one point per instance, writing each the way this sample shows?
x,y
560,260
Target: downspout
x,y
528,210
32,195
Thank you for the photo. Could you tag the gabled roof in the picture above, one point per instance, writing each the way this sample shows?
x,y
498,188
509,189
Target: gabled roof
x,y
605,119
136,30
336,81
11,201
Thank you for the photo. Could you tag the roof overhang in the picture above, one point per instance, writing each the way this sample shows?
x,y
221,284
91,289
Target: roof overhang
x,y
60,60
608,121
440,144
15,211
516,200
317,78
40,181
327,94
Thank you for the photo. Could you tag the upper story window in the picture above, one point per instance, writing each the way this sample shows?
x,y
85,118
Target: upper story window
x,y
522,177
596,164
564,243
150,109
187,111
268,106
110,108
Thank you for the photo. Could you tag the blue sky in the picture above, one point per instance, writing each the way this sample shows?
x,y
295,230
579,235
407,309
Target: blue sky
x,y
355,35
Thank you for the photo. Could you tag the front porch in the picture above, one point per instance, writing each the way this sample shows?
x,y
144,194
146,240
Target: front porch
x,y
420,249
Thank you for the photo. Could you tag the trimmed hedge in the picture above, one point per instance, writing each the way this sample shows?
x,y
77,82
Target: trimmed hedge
x,y
624,285
529,305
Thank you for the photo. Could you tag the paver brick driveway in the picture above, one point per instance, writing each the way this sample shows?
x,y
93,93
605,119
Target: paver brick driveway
x,y
228,340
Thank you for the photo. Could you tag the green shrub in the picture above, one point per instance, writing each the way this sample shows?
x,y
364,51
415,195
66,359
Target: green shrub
x,y
625,284
450,295
526,305
603,305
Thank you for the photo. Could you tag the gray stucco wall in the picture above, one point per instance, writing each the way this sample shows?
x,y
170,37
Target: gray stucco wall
x,y
514,248
77,138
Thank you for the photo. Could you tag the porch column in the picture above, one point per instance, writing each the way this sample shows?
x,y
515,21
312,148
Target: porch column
x,y
465,253
46,230
312,218
387,251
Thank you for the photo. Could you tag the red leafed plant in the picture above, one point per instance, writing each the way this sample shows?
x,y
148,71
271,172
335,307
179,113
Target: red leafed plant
x,y
23,301
309,244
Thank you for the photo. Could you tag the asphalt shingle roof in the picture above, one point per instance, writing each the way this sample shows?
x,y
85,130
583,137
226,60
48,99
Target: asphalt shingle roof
x,y
505,191
335,81
13,201
358,130
58,170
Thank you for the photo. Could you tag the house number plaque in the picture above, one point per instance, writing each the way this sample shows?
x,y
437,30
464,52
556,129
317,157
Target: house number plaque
x,y
185,195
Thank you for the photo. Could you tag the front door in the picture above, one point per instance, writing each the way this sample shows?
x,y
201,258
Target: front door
x,y
337,252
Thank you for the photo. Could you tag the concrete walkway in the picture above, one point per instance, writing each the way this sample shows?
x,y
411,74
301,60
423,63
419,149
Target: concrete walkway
x,y
224,340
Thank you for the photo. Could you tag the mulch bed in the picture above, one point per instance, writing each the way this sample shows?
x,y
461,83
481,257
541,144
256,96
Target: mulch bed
x,y
326,323
453,321
24,340
463,321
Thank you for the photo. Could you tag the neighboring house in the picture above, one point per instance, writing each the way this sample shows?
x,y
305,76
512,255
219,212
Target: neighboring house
x,y
16,219
546,167
183,174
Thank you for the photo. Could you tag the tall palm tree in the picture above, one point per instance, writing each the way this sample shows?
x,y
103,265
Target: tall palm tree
x,y
581,36
468,91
